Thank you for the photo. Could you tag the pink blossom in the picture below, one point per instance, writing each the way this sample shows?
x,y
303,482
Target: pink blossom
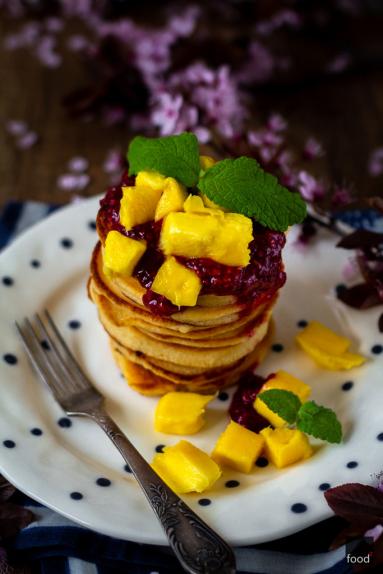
x,y
166,112
46,54
184,24
78,164
284,17
54,24
340,63
276,123
77,7
113,115
258,66
113,161
374,533
309,187
203,134
350,269
73,182
16,127
312,149
77,43
341,196
27,140
375,164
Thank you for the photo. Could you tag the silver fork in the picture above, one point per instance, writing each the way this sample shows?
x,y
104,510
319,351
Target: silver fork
x,y
198,548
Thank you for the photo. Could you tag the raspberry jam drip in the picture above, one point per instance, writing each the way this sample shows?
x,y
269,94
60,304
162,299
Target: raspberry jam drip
x,y
255,283
241,408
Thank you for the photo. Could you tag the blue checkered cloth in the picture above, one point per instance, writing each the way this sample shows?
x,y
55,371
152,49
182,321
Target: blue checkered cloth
x,y
55,545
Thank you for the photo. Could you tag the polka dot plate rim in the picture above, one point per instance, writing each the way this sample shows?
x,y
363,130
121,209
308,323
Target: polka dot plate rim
x,y
61,466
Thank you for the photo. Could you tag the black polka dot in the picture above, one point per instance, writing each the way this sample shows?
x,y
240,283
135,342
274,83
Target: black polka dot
x,y
127,468
36,431
74,324
204,501
380,436
160,448
377,349
277,347
324,486
302,323
232,483
7,281
45,345
352,464
9,443
64,422
347,386
76,495
223,396
35,263
262,462
66,243
92,225
10,359
340,288
298,507
103,481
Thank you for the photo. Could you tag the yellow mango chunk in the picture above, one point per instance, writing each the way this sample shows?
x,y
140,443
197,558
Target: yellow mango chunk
x,y
320,336
328,349
186,468
177,283
121,254
181,413
284,446
222,237
206,161
138,205
172,198
287,382
151,179
238,448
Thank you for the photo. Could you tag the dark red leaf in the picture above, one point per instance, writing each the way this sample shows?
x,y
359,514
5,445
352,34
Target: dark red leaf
x,y
360,239
360,504
6,489
361,296
13,518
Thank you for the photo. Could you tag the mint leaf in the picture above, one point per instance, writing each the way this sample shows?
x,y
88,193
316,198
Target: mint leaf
x,y
284,403
173,156
242,186
319,422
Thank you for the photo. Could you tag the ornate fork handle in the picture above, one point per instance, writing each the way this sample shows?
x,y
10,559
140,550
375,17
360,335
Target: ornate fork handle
x,y
198,548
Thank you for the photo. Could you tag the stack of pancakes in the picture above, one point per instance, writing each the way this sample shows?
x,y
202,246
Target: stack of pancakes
x,y
202,349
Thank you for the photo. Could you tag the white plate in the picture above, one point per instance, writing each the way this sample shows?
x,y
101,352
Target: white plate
x,y
51,466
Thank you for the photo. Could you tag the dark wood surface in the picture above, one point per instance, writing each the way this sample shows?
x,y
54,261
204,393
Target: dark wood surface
x,y
344,112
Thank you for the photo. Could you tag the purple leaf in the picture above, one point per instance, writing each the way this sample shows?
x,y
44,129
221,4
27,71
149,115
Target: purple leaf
x,y
13,518
361,239
358,503
361,296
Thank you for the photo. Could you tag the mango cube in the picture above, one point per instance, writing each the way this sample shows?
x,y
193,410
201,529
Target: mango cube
x,y
284,446
177,283
181,413
151,179
238,448
287,382
121,254
328,349
206,161
172,198
222,237
186,468
138,205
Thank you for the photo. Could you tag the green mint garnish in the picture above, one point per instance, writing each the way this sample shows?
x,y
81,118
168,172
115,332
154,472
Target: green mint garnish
x,y
242,186
173,156
320,422
284,403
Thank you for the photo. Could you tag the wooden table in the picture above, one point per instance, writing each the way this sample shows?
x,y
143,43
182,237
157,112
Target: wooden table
x,y
344,112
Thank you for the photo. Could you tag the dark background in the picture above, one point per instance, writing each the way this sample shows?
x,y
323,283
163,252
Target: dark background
x,y
343,111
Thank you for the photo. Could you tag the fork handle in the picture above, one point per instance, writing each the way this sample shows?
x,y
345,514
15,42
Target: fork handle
x,y
198,548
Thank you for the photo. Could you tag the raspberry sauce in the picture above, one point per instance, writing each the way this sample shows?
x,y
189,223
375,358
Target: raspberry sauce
x,y
241,408
255,283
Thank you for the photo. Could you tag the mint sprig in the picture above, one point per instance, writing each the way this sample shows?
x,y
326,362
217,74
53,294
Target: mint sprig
x,y
173,156
241,185
284,403
320,422
309,417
